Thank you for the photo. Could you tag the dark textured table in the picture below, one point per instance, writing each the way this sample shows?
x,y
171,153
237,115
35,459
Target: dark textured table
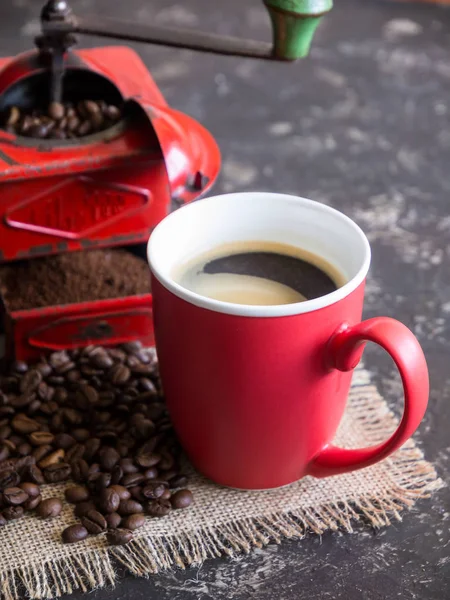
x,y
363,125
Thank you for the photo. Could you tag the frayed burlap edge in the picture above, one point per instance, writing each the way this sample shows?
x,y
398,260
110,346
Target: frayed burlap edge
x,y
413,478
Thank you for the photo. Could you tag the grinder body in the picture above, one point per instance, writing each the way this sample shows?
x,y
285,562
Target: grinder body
x,y
105,190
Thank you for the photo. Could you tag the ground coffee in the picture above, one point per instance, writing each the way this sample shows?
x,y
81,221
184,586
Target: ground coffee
x,y
73,277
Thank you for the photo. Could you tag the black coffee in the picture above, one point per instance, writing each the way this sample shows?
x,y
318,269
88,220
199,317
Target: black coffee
x,y
259,273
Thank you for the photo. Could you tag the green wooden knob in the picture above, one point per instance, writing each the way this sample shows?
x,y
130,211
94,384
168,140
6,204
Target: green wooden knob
x,y
294,23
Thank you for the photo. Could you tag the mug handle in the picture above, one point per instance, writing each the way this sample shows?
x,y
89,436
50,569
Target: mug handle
x,y
344,352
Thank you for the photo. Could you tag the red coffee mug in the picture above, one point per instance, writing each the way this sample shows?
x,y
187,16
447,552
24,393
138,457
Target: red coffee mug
x,y
256,393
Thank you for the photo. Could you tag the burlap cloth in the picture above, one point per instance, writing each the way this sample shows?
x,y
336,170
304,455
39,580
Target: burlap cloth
x,y
224,522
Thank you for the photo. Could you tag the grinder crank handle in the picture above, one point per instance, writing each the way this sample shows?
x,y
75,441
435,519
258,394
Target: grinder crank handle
x,y
293,25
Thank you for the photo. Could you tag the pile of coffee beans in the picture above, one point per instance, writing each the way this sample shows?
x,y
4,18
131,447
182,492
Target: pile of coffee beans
x,y
95,416
62,121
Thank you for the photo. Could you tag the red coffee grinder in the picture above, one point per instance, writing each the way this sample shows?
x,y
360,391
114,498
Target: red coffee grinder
x,y
110,188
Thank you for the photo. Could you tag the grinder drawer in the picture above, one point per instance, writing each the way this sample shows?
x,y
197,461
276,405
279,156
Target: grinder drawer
x,y
32,333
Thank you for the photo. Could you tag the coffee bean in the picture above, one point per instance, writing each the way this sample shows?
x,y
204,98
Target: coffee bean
x,y
90,108
32,503
49,508
35,475
102,482
77,494
101,360
117,354
80,470
57,473
3,520
7,465
44,369
60,395
97,120
128,466
151,473
113,520
23,424
52,459
64,441
31,489
56,111
147,385
133,522
34,407
109,457
9,478
86,397
73,123
147,459
64,368
159,508
123,447
39,131
120,374
122,492
45,392
57,359
132,479
138,368
14,496
144,428
166,495
83,508
72,417
182,499
116,475
74,533
119,537
24,449
49,408
13,116
22,401
25,125
153,491
4,452
75,453
13,512
39,438
166,463
132,347
20,367
136,493
129,507
94,468
94,522
5,431
91,448
41,451
109,501
23,463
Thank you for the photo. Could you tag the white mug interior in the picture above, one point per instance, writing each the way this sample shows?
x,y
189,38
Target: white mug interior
x,y
259,216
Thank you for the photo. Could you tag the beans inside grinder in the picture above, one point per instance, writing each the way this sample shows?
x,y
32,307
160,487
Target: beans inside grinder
x,y
62,121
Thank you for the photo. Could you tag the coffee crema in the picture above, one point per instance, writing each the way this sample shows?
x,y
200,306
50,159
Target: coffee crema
x,y
259,273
